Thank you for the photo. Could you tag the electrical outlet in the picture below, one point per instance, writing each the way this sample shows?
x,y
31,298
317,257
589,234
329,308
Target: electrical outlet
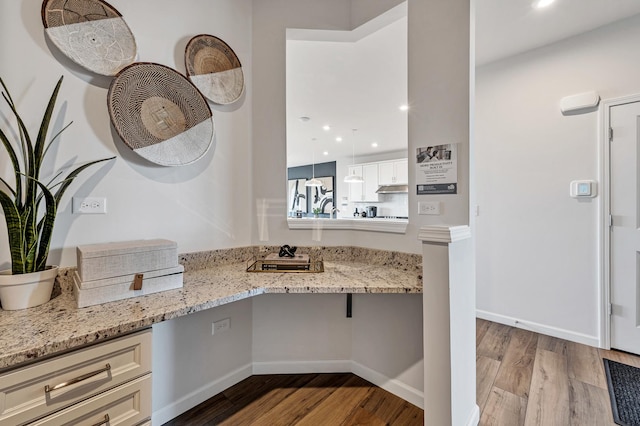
x,y
221,326
429,207
89,205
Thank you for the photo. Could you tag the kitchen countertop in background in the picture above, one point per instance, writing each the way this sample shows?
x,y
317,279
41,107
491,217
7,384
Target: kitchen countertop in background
x,y
210,279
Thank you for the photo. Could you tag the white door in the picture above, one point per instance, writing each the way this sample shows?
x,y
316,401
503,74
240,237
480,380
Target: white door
x,y
625,231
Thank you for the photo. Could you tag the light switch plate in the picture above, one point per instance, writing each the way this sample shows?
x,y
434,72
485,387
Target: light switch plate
x,y
583,189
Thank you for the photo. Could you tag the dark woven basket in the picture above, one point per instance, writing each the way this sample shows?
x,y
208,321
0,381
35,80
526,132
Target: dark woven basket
x,y
214,68
150,104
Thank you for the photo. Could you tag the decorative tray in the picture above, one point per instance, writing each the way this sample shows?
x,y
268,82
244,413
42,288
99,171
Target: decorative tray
x,y
265,265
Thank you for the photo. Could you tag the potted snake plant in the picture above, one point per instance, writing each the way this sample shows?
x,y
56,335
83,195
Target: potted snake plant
x,y
30,206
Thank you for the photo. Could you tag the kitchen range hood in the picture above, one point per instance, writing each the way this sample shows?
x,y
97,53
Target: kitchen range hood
x,y
393,189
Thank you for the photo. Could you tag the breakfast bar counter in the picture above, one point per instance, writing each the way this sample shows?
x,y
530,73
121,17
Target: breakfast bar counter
x,y
211,279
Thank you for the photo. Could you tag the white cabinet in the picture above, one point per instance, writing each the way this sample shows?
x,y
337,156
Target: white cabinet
x,y
128,404
364,192
393,172
104,372
355,189
370,175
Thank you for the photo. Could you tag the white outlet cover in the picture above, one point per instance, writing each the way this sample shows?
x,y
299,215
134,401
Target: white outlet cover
x,y
89,205
429,207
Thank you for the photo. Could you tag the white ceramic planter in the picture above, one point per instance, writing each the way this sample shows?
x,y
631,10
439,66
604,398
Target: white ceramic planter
x,y
26,290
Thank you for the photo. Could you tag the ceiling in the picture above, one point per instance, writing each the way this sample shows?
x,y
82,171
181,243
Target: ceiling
x,y
338,82
508,27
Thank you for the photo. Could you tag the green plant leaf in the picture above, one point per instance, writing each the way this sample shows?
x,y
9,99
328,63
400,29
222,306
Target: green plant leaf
x,y
30,237
45,227
16,166
14,226
71,176
7,97
8,187
30,193
44,154
44,129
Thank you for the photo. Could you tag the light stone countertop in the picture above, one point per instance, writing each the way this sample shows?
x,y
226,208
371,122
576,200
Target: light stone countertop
x,y
58,325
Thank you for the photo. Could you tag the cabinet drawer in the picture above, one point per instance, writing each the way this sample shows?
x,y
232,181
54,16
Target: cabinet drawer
x,y
72,377
126,405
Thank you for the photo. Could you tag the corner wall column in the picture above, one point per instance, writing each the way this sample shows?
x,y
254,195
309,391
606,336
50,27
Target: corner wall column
x,y
449,326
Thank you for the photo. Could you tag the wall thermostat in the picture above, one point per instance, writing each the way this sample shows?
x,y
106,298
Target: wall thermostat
x,y
583,189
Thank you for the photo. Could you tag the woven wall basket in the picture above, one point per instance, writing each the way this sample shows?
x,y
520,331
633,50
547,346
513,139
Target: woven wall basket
x,y
160,115
91,33
214,68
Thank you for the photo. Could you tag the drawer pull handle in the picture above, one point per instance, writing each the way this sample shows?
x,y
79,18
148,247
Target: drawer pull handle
x,y
104,422
48,388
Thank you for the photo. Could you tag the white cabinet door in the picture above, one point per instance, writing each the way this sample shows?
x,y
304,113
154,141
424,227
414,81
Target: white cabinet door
x,y
625,229
355,189
393,172
370,175
47,386
401,168
386,173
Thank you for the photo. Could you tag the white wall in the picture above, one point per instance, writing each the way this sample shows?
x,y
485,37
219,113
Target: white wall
x,y
537,248
202,206
427,92
382,342
294,328
191,365
387,336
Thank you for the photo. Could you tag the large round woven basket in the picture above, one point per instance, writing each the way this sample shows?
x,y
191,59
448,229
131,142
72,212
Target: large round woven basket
x,y
92,33
214,68
160,115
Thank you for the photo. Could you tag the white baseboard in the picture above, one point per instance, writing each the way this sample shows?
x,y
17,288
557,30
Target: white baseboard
x,y
200,395
540,328
394,386
302,367
474,417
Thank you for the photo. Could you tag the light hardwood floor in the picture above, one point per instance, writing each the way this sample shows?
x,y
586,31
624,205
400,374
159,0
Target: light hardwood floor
x,y
525,378
340,399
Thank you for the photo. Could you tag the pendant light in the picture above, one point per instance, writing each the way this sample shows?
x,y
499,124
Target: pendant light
x,y
313,181
353,178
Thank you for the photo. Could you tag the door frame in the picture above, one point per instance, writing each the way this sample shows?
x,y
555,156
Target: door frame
x,y
604,314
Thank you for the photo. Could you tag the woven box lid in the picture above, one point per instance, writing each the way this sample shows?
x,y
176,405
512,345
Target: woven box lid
x,y
99,261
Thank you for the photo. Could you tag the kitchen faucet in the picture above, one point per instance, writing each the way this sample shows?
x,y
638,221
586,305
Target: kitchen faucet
x,y
333,210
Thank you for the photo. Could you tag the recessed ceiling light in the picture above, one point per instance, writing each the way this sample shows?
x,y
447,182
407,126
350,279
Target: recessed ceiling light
x,y
325,153
326,127
304,118
339,139
539,4
404,107
374,144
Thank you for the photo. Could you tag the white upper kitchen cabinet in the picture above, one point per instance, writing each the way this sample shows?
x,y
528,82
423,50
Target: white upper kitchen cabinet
x,y
393,172
366,191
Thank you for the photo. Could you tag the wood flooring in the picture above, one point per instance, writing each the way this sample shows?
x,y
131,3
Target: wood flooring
x,y
303,400
523,379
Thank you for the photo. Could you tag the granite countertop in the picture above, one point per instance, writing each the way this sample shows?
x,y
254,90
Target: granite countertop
x,y
59,326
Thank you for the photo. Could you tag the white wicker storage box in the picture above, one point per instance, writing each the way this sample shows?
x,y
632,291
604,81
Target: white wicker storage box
x,y
88,293
99,261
